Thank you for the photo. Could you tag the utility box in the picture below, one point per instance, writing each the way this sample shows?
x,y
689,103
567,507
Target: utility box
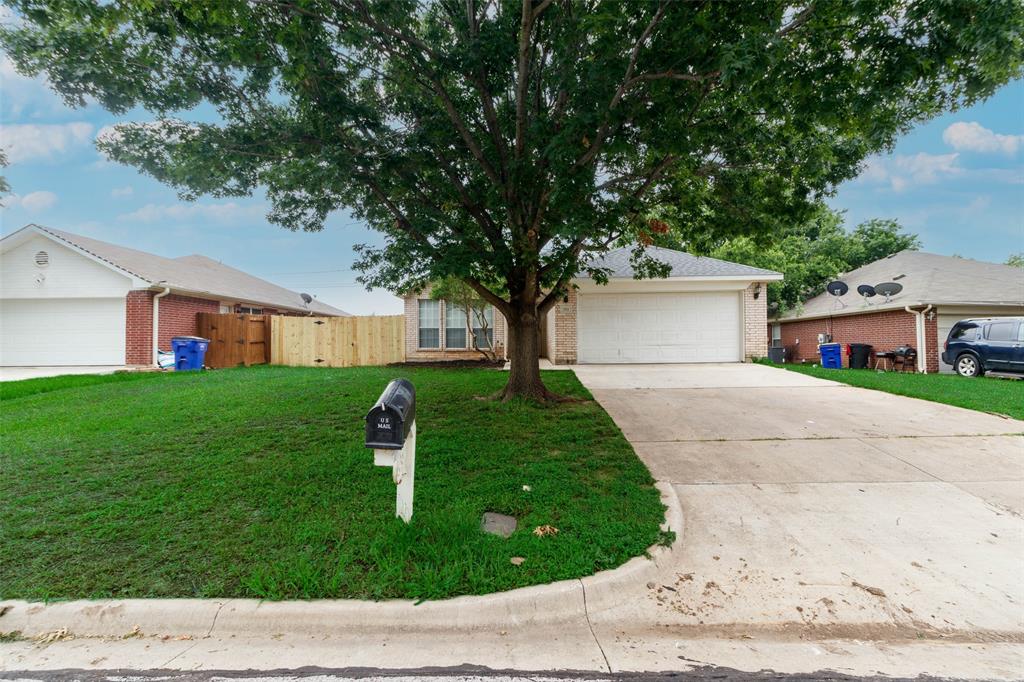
x,y
389,421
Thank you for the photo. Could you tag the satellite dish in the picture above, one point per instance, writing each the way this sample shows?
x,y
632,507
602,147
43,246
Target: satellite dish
x,y
837,288
306,298
866,290
888,289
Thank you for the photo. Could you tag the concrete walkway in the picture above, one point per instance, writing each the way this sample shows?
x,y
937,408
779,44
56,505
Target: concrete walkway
x,y
824,527
819,510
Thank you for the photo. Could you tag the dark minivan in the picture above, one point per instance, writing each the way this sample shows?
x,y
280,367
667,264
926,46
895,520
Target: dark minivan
x,y
993,344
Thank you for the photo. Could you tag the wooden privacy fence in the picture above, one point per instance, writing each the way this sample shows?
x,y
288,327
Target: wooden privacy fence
x,y
235,339
337,341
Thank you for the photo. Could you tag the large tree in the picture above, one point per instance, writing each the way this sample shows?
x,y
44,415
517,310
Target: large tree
x,y
508,141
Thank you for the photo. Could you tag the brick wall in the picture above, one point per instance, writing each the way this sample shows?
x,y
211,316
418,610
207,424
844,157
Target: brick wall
x,y
413,353
138,328
884,330
178,316
565,330
755,321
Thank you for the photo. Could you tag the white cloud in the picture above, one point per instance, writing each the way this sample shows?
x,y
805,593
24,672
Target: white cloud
x,y
229,212
25,97
33,202
902,172
974,137
125,191
30,141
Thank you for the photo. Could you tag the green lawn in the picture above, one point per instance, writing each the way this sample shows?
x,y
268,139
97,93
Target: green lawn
x,y
987,394
255,483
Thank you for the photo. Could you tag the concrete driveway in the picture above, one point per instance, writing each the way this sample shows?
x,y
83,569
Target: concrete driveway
x,y
18,373
816,510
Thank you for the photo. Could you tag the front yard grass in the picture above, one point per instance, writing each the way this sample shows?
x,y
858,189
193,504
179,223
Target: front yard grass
x,y
987,394
255,483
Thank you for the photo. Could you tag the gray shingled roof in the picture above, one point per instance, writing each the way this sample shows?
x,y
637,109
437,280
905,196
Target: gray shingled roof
x,y
683,264
193,273
926,278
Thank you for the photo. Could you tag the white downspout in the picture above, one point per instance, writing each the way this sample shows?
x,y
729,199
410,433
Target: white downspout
x,y
922,340
156,323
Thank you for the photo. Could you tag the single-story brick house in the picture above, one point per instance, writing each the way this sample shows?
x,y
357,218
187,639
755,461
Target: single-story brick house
x,y
66,299
706,310
937,292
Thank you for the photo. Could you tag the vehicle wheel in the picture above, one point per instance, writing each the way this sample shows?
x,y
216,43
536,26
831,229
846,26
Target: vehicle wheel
x,y
968,366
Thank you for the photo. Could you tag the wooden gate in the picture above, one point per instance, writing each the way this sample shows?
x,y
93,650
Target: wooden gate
x,y
337,341
235,339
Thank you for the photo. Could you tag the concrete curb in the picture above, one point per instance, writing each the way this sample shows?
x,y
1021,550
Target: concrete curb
x,y
560,601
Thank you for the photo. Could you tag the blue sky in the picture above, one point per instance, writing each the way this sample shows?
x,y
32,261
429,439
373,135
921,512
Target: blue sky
x,y
957,181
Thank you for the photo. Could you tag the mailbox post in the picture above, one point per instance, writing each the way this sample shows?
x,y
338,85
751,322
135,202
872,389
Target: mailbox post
x,y
391,433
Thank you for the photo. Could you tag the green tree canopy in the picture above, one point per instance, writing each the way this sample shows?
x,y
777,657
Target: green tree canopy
x,y
509,141
1016,260
813,252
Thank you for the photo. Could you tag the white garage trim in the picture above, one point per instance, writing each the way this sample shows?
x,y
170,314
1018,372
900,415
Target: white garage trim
x,y
62,331
660,327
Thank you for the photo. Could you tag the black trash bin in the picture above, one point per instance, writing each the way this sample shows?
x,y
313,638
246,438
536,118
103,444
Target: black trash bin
x,y
859,354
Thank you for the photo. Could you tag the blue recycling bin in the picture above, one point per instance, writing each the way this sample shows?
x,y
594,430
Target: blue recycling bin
x,y
831,355
189,352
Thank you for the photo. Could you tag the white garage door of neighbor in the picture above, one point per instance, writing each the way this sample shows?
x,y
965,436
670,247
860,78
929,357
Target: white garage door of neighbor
x,y
945,323
663,327
62,331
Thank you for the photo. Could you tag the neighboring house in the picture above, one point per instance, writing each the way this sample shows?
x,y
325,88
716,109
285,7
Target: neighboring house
x,y
937,292
706,310
71,300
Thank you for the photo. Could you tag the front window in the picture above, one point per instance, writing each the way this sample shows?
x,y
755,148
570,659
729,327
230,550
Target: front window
x,y
430,324
481,338
454,326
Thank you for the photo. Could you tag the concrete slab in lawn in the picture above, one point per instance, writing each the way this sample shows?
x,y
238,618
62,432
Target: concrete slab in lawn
x,y
776,461
713,375
785,413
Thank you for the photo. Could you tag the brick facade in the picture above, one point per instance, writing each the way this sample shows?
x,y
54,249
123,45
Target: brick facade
x,y
563,346
413,353
755,319
560,333
177,318
884,330
138,347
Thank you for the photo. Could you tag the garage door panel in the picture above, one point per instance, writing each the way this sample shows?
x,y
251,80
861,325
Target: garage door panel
x,y
79,331
659,328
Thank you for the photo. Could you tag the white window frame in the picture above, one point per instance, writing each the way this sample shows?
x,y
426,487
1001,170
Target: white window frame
x,y
448,308
419,324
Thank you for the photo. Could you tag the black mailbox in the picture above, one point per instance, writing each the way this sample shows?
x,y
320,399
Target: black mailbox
x,y
389,421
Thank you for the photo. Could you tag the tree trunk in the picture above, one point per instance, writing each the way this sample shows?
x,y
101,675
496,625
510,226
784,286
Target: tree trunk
x,y
523,345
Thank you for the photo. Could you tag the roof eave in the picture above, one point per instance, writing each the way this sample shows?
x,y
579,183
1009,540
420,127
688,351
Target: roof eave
x,y
896,305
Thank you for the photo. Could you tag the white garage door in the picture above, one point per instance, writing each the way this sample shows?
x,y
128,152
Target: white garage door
x,y
668,327
62,331
945,323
